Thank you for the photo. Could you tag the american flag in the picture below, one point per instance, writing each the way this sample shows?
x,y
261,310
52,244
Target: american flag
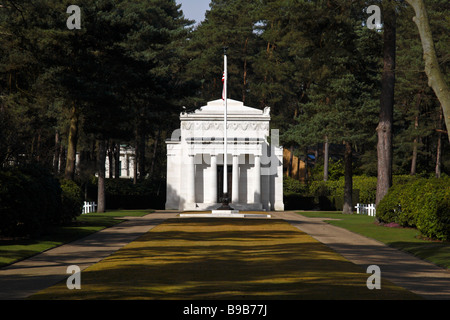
x,y
223,84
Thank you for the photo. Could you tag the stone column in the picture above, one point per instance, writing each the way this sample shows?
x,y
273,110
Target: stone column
x,y
235,189
279,204
213,191
190,175
257,179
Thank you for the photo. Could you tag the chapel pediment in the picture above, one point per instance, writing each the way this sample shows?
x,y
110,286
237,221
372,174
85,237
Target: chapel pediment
x,y
235,109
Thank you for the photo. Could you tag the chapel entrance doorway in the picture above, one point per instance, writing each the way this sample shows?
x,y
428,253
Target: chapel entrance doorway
x,y
220,182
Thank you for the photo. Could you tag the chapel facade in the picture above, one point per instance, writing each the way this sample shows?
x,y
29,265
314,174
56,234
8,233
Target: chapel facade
x,y
195,160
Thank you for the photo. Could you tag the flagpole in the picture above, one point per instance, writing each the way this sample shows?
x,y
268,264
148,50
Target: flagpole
x,y
225,200
225,135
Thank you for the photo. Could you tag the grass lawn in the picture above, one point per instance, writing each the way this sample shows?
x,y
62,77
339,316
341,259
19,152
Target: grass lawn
x,y
405,239
225,259
15,250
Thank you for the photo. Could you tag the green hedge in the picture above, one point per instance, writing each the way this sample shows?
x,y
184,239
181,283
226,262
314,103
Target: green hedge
x,y
123,194
71,200
31,201
293,186
326,188
420,203
367,187
329,195
295,201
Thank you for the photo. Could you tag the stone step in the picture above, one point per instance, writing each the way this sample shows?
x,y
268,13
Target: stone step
x,y
224,214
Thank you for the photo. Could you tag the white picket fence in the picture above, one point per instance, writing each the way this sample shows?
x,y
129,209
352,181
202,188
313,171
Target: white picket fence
x,y
89,207
368,209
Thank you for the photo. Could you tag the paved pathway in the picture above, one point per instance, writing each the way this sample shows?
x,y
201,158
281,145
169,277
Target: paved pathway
x,y
24,278
401,268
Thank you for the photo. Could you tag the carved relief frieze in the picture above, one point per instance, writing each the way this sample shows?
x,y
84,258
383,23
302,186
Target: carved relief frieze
x,y
232,125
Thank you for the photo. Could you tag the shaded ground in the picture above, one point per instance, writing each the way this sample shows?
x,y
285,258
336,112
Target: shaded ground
x,y
225,259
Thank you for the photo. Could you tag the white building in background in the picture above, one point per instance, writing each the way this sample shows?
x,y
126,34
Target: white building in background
x,y
195,160
127,161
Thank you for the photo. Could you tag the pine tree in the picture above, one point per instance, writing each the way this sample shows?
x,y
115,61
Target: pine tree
x,y
436,78
385,126
121,66
228,24
418,126
341,93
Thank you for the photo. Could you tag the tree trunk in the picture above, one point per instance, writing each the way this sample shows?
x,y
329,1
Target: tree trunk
x,y
111,159
316,154
101,158
384,129
72,145
155,151
438,156
439,148
38,146
141,150
325,160
414,155
291,161
306,166
348,176
244,85
117,167
435,77
142,171
136,157
135,171
56,153
62,157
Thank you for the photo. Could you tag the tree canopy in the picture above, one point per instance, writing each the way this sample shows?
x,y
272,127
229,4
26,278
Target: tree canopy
x,y
123,77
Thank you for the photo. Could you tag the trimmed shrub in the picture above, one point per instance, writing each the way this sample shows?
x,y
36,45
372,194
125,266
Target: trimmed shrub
x,y
15,208
30,201
291,185
330,194
71,200
433,209
326,188
420,203
390,206
48,197
367,187
295,201
123,194
403,179
336,202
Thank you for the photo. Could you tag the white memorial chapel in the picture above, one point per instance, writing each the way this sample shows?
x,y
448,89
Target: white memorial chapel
x,y
195,160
